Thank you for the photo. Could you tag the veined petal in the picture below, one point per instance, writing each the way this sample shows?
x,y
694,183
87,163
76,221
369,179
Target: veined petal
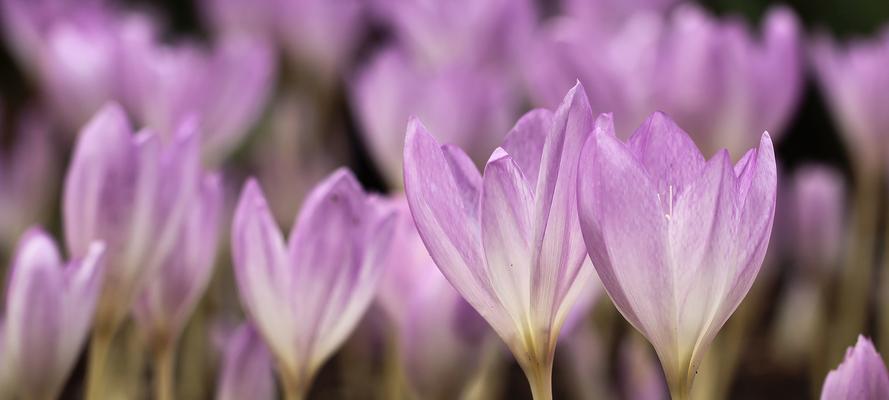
x,y
525,142
757,196
619,208
558,251
703,244
506,213
449,224
325,249
666,152
261,268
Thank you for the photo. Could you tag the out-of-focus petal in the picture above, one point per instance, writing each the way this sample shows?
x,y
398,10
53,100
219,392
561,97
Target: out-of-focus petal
x,y
246,368
862,375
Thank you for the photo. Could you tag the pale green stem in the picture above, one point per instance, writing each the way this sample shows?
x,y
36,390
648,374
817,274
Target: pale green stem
x,y
164,365
856,275
100,344
540,377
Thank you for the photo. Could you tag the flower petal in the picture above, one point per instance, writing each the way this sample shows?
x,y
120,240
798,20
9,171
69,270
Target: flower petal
x,y
703,244
619,208
526,140
862,375
246,371
329,279
104,145
449,224
666,152
260,260
33,323
558,245
506,212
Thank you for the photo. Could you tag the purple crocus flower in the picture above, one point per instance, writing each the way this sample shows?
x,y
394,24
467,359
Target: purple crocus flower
x,y
246,371
818,216
677,239
83,57
715,77
508,241
438,333
861,376
725,85
134,194
307,295
855,82
319,34
473,31
461,104
73,62
168,300
611,14
49,312
225,87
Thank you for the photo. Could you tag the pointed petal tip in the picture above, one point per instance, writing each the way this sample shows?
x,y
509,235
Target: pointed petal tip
x,y
498,154
251,196
604,124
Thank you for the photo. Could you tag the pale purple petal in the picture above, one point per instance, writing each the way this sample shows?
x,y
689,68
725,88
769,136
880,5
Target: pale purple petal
x,y
168,300
524,143
307,296
558,250
246,370
619,208
49,310
506,227
259,254
667,153
439,191
328,245
861,376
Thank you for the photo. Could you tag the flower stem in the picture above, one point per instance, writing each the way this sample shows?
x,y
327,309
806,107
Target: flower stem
x,y
100,344
294,388
541,383
680,393
856,276
539,371
164,364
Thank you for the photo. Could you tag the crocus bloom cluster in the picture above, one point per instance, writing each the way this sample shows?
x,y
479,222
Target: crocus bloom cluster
x,y
604,15
714,77
861,376
677,240
246,371
133,193
320,34
461,104
83,56
307,295
856,84
508,241
49,312
439,334
473,31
